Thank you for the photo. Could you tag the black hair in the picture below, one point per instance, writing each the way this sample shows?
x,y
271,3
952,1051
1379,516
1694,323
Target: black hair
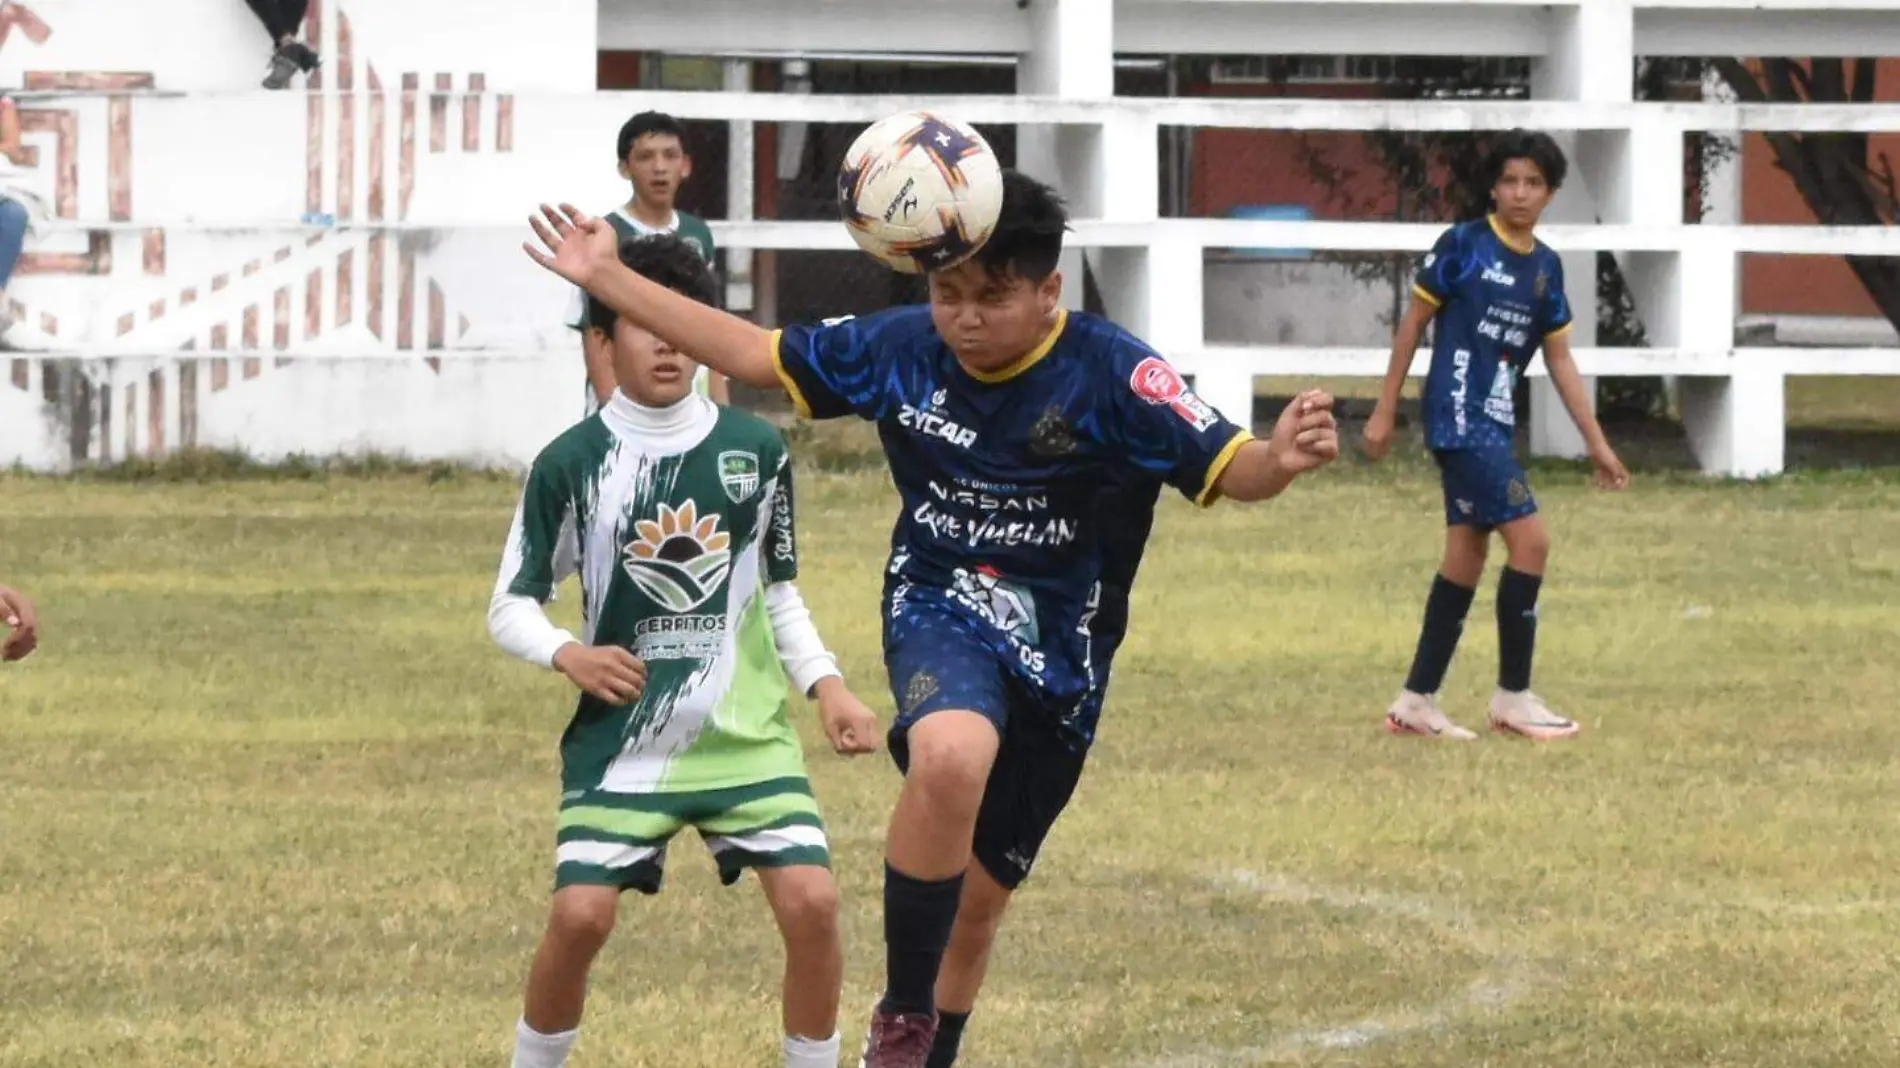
x,y
647,122
665,260
1028,235
1538,147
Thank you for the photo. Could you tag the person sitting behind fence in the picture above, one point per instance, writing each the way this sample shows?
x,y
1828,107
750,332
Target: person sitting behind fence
x,y
282,19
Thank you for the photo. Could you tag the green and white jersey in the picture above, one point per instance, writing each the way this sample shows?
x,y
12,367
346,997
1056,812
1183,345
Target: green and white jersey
x,y
675,536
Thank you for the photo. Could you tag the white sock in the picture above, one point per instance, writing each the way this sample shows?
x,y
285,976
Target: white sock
x,y
536,1050
811,1052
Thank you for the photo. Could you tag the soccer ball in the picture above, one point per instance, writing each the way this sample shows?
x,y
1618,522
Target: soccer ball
x,y
920,192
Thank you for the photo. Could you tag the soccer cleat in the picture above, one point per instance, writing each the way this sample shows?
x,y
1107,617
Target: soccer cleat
x,y
898,1040
1527,716
1416,713
301,54
282,68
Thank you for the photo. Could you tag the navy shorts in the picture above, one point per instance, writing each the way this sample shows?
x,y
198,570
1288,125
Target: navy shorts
x,y
937,662
1484,488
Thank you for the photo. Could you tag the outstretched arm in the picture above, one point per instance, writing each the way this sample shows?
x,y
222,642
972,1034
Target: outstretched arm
x,y
1306,437
585,251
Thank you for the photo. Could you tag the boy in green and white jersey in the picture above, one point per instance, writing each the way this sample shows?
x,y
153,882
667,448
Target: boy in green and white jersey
x,y
651,153
677,514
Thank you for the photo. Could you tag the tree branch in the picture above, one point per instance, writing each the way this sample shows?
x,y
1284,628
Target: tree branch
x,y
1740,80
1864,71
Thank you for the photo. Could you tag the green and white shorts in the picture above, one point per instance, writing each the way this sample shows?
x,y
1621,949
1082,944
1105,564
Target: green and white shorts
x,y
620,840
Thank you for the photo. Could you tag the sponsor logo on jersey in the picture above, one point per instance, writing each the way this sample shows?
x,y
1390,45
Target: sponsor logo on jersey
x,y
1495,273
935,425
1008,607
739,474
1460,373
784,539
1500,404
690,637
1157,382
679,559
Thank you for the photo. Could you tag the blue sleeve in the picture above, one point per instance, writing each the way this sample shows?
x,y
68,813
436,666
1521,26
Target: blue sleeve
x,y
838,367
1442,270
1155,421
1555,307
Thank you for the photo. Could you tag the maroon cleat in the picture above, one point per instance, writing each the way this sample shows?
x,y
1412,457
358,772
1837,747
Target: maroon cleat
x,y
899,1040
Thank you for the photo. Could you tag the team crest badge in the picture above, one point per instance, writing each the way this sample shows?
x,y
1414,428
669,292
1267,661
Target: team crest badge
x,y
679,559
739,474
1517,492
1540,283
1052,435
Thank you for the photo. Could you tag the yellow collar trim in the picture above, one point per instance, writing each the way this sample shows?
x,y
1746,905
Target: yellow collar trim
x,y
1498,229
1030,359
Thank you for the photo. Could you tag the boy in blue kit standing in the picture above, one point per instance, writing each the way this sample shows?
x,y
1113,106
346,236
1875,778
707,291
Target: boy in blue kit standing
x,y
1494,294
1029,446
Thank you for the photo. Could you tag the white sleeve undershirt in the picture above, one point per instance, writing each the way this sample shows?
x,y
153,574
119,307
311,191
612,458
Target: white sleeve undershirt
x,y
518,623
522,628
800,649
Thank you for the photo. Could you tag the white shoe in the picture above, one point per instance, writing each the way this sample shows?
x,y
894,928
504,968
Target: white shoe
x,y
1526,715
1415,713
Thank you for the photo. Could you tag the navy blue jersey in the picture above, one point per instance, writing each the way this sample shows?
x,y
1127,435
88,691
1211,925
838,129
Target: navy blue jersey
x,y
1028,494
1496,305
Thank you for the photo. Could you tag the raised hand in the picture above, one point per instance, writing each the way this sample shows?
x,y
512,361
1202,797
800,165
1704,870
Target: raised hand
x,y
577,245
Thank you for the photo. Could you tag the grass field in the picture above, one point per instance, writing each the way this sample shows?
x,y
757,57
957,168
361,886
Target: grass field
x,y
268,796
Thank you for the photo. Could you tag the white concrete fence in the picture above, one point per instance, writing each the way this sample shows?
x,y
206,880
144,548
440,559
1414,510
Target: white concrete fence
x,y
203,312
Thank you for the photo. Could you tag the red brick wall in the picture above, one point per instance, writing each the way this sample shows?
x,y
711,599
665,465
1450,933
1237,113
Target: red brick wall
x,y
1802,285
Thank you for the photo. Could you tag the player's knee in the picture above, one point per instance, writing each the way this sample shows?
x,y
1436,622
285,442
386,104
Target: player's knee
x,y
950,780
582,920
1530,550
808,910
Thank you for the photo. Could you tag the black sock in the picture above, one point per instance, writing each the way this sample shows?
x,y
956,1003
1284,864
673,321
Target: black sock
x,y
1517,628
943,1053
918,916
1445,612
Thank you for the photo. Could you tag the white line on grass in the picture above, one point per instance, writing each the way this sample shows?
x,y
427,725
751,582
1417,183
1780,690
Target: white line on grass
x,y
1506,978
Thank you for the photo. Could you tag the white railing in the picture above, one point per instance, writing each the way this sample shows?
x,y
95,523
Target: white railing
x,y
205,313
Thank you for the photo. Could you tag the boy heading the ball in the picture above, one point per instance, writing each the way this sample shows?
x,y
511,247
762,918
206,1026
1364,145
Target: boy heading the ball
x,y
677,514
1029,446
1494,294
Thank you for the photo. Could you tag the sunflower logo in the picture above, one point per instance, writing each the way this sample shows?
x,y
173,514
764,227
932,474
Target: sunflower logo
x,y
680,559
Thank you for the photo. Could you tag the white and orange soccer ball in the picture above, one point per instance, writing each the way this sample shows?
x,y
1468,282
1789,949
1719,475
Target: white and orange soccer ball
x,y
920,191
